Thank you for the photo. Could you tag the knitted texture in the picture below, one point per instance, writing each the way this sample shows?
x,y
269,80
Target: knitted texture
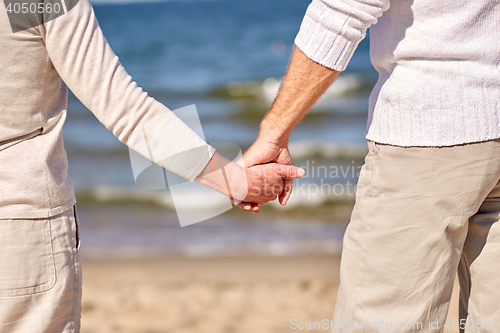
x,y
438,65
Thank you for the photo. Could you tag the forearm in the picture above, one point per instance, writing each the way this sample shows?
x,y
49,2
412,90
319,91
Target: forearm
x,y
304,83
84,60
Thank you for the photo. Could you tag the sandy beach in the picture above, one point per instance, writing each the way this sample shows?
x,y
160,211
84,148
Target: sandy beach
x,y
219,295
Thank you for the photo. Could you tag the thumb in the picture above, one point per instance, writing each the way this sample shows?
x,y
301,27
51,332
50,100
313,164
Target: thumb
x,y
290,171
249,158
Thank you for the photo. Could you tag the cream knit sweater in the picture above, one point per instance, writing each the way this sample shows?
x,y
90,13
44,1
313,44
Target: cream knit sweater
x,y
36,67
438,64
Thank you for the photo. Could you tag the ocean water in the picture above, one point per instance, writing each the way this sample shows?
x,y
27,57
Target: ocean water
x,y
227,58
124,232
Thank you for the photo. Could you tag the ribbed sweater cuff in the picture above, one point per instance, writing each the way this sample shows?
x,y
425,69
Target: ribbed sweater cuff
x,y
324,46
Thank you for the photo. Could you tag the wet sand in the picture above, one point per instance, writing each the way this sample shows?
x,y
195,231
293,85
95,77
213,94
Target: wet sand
x,y
210,295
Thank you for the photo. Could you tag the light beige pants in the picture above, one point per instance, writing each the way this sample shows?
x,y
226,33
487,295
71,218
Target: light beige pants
x,y
420,214
40,279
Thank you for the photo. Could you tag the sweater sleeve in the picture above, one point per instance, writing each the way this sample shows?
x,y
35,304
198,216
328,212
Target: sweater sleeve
x,y
85,62
332,29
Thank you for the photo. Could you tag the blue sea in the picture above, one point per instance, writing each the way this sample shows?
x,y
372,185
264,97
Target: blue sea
x,y
227,57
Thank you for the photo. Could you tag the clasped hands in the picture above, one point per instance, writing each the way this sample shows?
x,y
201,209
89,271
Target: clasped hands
x,y
273,160
264,174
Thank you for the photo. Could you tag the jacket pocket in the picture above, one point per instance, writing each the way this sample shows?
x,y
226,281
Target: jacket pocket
x,y
26,257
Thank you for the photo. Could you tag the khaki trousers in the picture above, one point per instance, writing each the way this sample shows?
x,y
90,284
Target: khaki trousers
x,y
40,279
421,214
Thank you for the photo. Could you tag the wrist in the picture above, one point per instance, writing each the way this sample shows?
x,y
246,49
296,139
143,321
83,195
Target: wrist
x,y
273,132
225,177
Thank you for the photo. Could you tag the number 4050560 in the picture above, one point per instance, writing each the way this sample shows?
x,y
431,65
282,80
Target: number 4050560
x,y
33,8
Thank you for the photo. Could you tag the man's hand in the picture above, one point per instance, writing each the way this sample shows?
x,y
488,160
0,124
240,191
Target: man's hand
x,y
304,82
247,186
266,181
265,151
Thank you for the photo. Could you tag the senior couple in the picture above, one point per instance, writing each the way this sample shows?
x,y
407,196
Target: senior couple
x,y
431,197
